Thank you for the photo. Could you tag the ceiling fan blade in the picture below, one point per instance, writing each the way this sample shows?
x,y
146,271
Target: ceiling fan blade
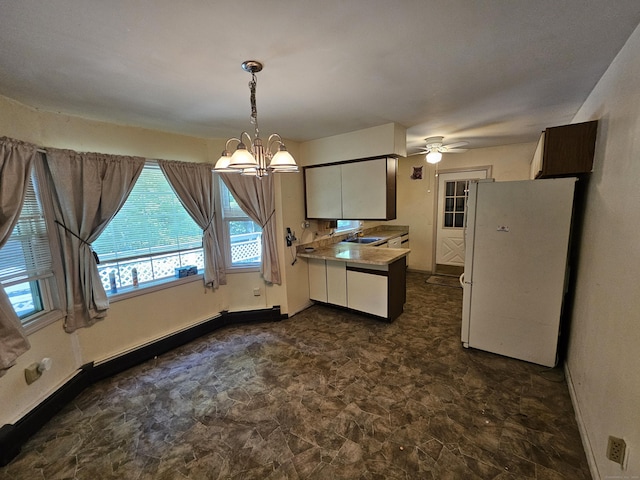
x,y
455,145
456,150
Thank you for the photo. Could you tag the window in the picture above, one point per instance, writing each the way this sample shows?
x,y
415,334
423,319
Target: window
x,y
152,234
26,271
241,236
347,225
455,201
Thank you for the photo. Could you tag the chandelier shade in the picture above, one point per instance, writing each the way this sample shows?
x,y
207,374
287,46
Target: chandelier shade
x,y
253,158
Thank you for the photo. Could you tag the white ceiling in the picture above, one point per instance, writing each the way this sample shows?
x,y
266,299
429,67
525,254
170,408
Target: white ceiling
x,y
489,72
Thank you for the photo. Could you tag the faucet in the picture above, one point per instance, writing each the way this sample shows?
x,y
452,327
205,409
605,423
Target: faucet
x,y
354,235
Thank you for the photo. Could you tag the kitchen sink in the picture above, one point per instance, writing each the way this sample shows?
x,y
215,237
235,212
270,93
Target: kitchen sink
x,y
363,240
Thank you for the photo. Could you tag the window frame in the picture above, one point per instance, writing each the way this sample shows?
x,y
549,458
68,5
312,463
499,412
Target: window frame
x,y
352,226
49,286
224,233
156,284
455,198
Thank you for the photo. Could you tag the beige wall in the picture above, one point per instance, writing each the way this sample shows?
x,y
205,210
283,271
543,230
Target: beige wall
x,y
134,321
388,139
415,198
605,329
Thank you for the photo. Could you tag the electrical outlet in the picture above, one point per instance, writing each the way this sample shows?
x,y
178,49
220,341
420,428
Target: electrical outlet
x,y
256,292
32,373
616,449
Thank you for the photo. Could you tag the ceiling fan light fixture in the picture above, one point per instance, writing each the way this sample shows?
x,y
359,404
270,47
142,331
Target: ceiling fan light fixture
x,y
434,156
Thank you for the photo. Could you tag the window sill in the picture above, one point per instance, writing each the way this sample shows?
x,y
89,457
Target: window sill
x,y
43,320
150,287
162,284
243,269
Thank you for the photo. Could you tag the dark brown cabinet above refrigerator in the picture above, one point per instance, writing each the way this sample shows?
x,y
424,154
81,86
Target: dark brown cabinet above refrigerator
x,y
565,151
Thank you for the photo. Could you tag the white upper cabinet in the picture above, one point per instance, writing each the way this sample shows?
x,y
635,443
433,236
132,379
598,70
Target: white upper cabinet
x,y
323,192
364,190
358,190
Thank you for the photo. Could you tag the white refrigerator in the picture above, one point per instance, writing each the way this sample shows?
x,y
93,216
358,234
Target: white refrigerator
x,y
515,272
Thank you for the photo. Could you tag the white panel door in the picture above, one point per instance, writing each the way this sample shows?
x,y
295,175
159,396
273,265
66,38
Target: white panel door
x,y
452,192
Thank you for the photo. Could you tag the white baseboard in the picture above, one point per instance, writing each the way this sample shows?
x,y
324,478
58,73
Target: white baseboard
x,y
586,444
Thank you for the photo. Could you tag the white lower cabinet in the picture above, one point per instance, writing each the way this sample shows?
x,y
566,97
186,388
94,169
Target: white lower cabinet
x,y
317,279
336,282
379,290
368,291
328,281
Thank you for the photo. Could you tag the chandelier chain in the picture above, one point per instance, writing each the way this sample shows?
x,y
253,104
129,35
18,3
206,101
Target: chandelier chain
x,y
254,109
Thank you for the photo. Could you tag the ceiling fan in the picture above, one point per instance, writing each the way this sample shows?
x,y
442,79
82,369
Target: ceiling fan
x,y
434,148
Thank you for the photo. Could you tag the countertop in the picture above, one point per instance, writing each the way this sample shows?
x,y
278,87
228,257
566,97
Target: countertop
x,y
358,253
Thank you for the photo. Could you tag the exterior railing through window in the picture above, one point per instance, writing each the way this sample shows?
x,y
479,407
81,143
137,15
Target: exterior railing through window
x,y
245,249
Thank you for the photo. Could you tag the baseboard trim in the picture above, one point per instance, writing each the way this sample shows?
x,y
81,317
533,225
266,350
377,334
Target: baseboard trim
x,y
586,444
13,436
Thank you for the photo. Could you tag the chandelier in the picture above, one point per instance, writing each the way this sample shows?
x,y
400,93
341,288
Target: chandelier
x,y
254,158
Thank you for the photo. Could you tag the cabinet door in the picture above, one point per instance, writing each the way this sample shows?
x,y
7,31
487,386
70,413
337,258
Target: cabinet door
x,y
336,282
364,190
317,280
323,192
368,292
395,242
569,150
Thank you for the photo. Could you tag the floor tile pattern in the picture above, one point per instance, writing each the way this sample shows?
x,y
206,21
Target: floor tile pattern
x,y
326,394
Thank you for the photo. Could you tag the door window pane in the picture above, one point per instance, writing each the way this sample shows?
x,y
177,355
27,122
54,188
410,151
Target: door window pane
x,y
455,202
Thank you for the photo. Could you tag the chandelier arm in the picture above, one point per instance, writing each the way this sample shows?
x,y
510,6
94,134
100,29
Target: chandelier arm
x,y
226,145
274,139
249,143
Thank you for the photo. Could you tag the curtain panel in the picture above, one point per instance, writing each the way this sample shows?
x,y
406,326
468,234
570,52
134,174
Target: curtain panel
x,y
88,190
16,161
256,197
193,184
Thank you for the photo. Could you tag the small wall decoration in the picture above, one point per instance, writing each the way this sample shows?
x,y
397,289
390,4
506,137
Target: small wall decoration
x,y
417,173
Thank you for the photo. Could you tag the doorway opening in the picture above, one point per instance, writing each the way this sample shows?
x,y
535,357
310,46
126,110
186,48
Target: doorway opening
x,y
450,218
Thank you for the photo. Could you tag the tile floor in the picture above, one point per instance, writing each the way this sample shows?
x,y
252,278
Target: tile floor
x,y
326,394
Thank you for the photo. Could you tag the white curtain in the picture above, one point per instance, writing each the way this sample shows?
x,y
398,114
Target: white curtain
x,y
193,184
256,197
16,160
88,189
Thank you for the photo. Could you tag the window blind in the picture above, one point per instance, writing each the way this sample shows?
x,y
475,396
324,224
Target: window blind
x,y
27,256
